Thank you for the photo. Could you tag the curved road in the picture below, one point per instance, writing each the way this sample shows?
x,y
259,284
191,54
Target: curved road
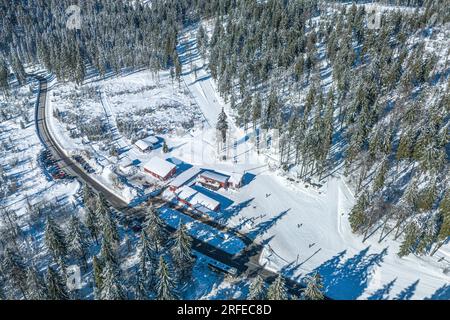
x,y
246,262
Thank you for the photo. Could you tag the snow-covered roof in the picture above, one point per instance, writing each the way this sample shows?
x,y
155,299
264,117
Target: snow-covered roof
x,y
126,162
214,176
143,145
185,177
196,198
151,140
159,166
146,143
236,178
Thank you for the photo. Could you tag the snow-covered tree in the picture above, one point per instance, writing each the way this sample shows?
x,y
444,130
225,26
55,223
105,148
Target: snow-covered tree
x,y
97,270
277,290
55,239
37,290
165,287
112,288
257,290
222,125
77,244
14,268
182,252
55,285
314,287
155,229
148,260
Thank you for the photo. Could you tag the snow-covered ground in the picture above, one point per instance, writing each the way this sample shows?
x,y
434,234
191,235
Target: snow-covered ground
x,y
307,229
304,228
19,158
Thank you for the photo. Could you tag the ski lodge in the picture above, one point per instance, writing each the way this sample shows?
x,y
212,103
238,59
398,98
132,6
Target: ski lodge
x,y
160,169
213,180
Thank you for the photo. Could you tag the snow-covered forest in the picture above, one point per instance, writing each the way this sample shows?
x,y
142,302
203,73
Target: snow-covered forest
x,y
369,102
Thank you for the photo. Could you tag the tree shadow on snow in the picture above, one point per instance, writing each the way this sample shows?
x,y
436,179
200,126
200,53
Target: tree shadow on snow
x,y
348,279
443,293
408,292
383,293
263,227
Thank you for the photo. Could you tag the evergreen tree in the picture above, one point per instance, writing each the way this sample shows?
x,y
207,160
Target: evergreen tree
x,y
37,289
165,288
381,176
97,270
77,245
140,288
4,85
148,260
55,286
155,230
182,253
165,148
109,227
92,223
314,287
111,287
257,289
410,240
15,270
277,290
444,209
19,70
222,125
55,240
108,252
357,217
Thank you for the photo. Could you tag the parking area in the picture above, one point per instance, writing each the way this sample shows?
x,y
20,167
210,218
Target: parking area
x,y
51,167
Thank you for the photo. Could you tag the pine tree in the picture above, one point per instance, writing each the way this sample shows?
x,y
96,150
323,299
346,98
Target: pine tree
x,y
55,286
15,270
101,207
222,125
256,110
92,223
165,287
19,70
2,293
378,184
444,209
410,240
111,287
108,252
37,289
97,270
357,217
257,289
155,230
314,287
55,240
140,288
182,253
178,69
277,290
109,228
77,245
148,260
165,147
4,85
